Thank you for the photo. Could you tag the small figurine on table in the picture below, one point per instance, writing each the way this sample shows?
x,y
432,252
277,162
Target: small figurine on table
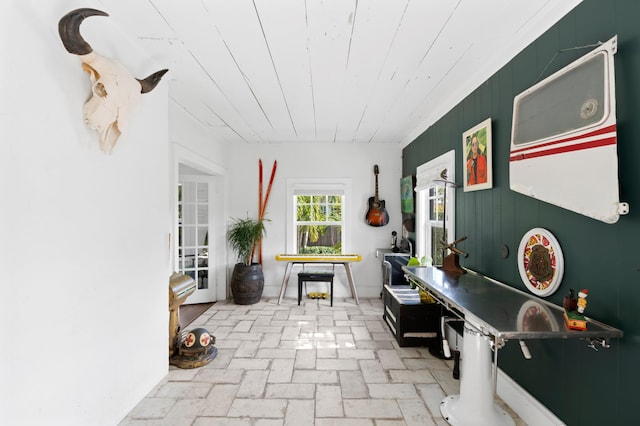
x,y
582,300
574,310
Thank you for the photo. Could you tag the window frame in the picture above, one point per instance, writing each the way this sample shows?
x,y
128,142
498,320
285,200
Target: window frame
x,y
426,176
316,186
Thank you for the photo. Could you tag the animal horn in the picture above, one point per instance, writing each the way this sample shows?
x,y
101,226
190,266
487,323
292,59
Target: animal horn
x,y
69,29
149,83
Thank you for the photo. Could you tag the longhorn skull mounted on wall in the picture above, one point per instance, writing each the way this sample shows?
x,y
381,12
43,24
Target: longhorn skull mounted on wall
x,y
115,91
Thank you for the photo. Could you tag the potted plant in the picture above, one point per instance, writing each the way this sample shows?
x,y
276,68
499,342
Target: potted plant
x,y
247,279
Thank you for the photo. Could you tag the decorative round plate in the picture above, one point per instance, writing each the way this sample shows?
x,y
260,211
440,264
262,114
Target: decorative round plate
x,y
540,262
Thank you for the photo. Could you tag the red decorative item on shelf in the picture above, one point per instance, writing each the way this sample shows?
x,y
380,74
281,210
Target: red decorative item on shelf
x,y
262,203
574,310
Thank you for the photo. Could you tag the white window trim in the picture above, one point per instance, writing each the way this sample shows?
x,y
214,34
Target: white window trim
x,y
319,186
426,174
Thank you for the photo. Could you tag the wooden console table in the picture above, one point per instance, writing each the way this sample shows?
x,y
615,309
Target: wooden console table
x,y
494,313
333,259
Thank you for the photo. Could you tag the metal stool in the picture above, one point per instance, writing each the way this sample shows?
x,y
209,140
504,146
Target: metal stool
x,y
318,276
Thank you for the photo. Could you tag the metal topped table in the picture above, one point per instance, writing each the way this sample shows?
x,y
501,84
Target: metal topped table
x,y
494,313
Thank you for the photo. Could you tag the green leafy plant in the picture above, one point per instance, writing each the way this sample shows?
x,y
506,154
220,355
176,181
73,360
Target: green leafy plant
x,y
244,235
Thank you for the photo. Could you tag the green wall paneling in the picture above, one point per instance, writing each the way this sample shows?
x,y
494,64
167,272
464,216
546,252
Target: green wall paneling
x,y
579,385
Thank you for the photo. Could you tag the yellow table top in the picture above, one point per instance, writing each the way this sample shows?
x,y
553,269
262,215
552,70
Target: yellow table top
x,y
319,257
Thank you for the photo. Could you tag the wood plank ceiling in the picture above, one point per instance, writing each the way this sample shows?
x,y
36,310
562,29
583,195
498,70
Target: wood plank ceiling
x,y
334,71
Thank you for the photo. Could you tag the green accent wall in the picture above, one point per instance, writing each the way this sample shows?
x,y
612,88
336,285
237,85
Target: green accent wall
x,y
579,385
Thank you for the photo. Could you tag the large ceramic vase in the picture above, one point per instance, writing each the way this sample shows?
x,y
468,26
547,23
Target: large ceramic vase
x,y
247,283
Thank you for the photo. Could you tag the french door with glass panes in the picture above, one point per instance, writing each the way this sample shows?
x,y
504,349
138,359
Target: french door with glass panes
x,y
194,218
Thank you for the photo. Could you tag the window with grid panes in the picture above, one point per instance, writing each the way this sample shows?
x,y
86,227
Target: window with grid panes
x,y
319,223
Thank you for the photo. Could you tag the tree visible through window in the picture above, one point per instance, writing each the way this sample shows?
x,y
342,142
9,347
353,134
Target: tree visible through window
x,y
435,221
319,224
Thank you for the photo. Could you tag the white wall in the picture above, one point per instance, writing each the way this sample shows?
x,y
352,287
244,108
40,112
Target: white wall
x,y
85,258
237,168
85,235
354,161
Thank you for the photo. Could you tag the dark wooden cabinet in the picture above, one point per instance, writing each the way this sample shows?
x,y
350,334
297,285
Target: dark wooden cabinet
x,y
412,322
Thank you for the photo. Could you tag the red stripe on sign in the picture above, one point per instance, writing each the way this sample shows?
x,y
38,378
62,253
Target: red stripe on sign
x,y
597,132
563,149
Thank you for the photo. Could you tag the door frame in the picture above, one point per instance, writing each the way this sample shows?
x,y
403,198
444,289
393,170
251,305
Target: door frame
x,y
218,211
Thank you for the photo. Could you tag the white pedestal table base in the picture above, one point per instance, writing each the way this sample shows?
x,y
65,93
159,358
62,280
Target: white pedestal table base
x,y
475,405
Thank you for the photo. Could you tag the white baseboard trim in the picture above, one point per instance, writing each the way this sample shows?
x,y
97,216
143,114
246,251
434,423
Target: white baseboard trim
x,y
529,409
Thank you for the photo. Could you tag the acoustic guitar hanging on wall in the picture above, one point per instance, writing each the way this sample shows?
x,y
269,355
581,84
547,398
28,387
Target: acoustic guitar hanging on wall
x,y
376,215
